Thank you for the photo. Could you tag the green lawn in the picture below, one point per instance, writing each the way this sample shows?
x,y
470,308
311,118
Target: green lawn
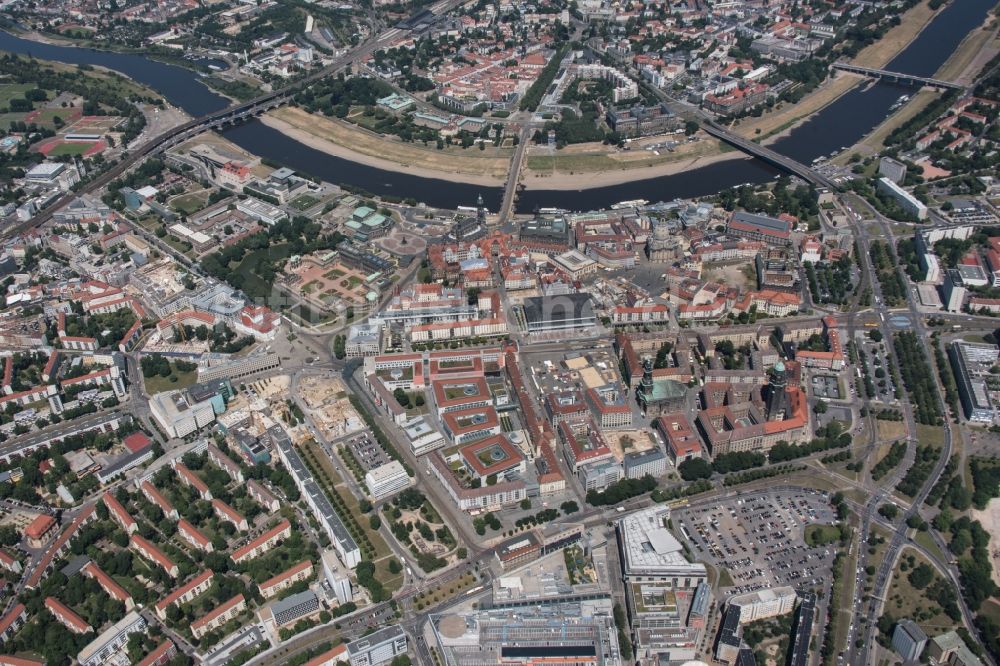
x,y
927,434
188,204
820,535
159,384
70,149
304,202
9,91
254,285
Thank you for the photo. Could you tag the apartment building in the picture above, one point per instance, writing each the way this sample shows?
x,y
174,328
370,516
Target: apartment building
x,y
185,593
218,616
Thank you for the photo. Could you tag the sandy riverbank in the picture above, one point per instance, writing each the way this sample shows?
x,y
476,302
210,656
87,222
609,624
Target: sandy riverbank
x,y
783,119
340,139
583,178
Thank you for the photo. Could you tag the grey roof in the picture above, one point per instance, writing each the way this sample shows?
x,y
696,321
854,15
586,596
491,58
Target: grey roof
x,y
294,600
762,221
636,458
328,514
558,309
376,637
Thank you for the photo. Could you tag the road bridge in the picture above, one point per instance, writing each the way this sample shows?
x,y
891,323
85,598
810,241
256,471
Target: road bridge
x,y
764,153
229,115
896,77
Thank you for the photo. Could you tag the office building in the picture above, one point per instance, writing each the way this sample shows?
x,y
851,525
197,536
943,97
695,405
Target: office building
x,y
651,462
559,313
803,630
178,414
972,363
650,553
763,604
908,640
387,479
378,647
949,648
773,231
295,607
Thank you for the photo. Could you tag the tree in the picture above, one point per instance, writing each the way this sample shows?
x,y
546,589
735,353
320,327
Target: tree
x,y
695,468
402,397
690,127
875,335
525,504
820,407
394,566
921,576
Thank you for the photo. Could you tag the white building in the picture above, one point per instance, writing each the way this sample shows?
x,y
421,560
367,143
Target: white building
x,y
387,479
906,201
378,648
261,211
178,415
650,553
108,648
763,604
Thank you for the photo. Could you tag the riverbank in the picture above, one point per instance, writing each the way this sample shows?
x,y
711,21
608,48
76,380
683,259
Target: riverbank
x,y
584,166
785,117
342,139
976,49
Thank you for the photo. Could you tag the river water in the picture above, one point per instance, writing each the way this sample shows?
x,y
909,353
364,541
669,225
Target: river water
x,y
840,124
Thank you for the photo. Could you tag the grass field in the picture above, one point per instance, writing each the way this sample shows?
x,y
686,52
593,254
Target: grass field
x,y
904,600
930,434
188,204
160,384
595,157
891,429
70,149
819,535
253,285
9,91
304,202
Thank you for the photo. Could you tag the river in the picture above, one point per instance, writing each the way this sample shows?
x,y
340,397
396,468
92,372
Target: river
x,y
840,124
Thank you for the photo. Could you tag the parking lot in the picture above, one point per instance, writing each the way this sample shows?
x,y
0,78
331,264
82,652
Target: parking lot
x,y
758,538
367,450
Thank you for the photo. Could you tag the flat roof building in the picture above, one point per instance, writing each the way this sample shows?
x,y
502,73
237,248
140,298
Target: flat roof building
x,y
651,553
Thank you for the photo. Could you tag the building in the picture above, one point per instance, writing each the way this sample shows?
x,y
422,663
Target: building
x,y
185,593
892,169
243,366
67,616
650,553
762,604
642,120
263,496
193,536
295,607
972,363
773,231
651,462
189,478
583,444
908,640
40,530
103,649
317,500
301,571
597,476
222,461
108,584
949,648
559,313
363,340
659,395
153,554
227,513
178,414
263,543
152,494
681,440
161,655
387,479
904,199
803,630
119,514
13,620
218,616
377,648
